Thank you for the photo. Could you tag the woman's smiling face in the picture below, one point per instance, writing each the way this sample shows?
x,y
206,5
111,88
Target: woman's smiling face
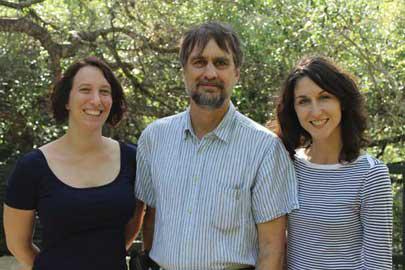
x,y
318,111
90,98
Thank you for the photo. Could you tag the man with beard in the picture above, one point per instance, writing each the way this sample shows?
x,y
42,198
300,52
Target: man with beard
x,y
219,183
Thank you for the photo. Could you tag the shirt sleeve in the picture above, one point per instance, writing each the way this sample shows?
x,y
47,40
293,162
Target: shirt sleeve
x,y
376,218
144,186
275,191
22,185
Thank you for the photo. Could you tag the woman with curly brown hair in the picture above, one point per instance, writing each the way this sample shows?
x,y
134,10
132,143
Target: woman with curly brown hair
x,y
345,215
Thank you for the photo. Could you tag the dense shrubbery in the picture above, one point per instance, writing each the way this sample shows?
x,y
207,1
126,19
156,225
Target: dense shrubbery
x,y
139,39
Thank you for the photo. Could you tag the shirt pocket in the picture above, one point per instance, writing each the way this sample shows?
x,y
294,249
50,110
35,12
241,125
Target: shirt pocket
x,y
227,208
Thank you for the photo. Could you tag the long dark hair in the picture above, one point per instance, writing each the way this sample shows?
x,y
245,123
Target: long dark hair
x,y
331,78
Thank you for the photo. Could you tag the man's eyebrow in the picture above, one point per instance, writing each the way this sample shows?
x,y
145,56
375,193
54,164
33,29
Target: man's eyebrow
x,y
197,57
223,58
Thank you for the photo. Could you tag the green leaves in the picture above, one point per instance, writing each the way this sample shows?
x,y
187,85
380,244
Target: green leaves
x,y
140,40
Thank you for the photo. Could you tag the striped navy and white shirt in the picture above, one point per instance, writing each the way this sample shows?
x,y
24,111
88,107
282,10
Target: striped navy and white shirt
x,y
345,216
209,194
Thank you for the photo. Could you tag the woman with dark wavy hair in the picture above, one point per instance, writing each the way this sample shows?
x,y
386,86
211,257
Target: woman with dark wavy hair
x,y
345,215
81,184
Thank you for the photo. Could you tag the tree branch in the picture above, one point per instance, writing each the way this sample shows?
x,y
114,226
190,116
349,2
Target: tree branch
x,y
381,153
133,80
91,36
20,5
57,51
22,25
32,13
382,142
376,65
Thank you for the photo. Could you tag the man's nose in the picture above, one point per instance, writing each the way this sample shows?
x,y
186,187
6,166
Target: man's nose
x,y
210,72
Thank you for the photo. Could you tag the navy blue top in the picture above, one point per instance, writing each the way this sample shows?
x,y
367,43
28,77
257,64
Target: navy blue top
x,y
83,228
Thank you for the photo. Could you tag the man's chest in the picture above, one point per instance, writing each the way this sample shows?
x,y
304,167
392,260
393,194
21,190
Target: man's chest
x,y
199,179
207,165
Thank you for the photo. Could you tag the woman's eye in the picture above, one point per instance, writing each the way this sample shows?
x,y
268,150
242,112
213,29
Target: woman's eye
x,y
105,92
303,101
84,90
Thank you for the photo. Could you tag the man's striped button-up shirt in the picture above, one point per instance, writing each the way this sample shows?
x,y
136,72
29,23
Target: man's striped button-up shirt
x,y
209,194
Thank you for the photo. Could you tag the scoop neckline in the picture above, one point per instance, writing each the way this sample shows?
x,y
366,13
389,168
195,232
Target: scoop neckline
x,y
83,188
301,157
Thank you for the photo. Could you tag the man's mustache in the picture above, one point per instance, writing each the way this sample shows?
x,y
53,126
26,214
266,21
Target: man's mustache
x,y
213,83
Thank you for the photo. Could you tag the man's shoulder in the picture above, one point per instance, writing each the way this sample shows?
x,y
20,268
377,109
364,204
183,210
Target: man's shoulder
x,y
168,122
252,126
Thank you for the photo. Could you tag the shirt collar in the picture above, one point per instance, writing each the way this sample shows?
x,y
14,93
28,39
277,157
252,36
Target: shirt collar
x,y
222,131
187,127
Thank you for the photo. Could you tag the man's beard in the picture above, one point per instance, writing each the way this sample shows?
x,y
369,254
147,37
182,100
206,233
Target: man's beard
x,y
209,101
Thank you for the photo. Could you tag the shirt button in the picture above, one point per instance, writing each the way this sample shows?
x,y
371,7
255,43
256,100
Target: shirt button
x,y
189,210
195,179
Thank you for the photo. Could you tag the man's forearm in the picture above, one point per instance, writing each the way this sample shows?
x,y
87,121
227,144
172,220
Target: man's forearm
x,y
271,258
272,241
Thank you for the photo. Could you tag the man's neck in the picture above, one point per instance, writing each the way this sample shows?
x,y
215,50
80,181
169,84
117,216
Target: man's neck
x,y
204,120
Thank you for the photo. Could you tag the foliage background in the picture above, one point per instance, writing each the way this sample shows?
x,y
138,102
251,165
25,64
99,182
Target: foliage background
x,y
139,39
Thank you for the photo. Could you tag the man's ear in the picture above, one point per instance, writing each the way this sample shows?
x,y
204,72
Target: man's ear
x,y
237,73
